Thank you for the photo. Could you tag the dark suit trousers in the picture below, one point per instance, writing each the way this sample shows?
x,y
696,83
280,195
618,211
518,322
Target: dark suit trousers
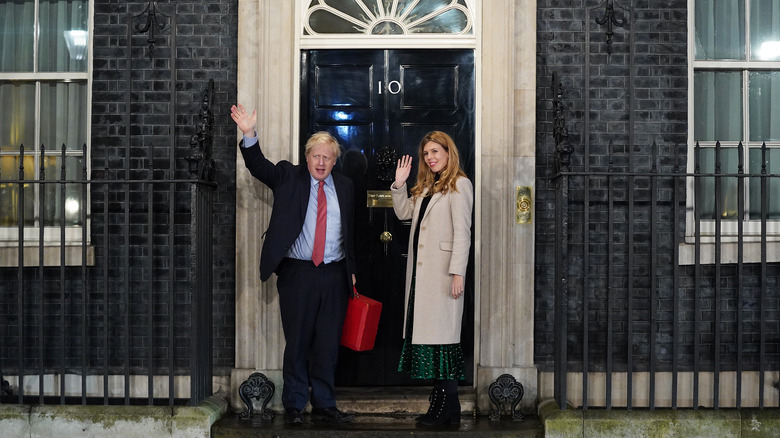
x,y
313,302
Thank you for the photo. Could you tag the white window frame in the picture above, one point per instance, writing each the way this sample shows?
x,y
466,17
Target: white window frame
x,y
50,248
728,228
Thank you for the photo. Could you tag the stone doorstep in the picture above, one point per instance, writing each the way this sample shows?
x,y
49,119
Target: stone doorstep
x,y
411,400
382,412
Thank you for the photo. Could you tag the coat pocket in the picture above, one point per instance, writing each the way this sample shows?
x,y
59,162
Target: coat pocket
x,y
445,246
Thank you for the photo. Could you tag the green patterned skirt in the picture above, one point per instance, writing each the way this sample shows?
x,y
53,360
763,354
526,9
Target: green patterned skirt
x,y
441,362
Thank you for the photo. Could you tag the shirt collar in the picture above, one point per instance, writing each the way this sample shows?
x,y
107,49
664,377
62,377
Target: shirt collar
x,y
328,180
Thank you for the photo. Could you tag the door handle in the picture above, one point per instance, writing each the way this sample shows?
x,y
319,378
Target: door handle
x,y
386,237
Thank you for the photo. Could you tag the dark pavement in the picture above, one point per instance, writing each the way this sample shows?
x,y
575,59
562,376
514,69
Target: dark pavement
x,y
376,426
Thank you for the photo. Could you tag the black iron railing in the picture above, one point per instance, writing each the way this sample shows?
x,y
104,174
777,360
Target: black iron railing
x,y
106,285
666,278
119,314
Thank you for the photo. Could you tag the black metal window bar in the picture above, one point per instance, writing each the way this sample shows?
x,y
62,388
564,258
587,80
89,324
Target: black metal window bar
x,y
626,304
129,321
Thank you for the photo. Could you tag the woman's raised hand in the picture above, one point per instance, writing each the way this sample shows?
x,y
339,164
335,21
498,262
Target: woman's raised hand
x,y
246,122
402,171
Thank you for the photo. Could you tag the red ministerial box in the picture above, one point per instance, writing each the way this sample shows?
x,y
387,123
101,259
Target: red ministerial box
x,y
361,323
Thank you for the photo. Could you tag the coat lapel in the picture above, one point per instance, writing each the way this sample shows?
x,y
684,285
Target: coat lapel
x,y
416,212
305,181
342,198
434,199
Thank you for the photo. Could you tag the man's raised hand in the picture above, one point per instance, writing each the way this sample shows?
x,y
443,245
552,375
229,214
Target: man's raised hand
x,y
246,122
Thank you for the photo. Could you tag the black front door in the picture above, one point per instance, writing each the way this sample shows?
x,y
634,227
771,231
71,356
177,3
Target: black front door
x,y
379,104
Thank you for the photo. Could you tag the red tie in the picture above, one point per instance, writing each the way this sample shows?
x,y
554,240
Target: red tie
x,y
322,222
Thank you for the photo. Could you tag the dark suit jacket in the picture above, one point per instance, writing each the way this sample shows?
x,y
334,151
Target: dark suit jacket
x,y
291,185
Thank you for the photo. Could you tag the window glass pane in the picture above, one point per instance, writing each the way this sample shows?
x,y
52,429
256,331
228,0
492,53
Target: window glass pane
x,y
387,28
328,17
16,35
424,8
729,163
451,21
63,36
765,30
17,123
323,21
772,193
63,115
717,105
350,7
720,29
401,6
55,207
9,192
764,89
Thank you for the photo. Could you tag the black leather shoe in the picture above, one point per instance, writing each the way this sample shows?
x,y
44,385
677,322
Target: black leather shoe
x,y
332,415
293,416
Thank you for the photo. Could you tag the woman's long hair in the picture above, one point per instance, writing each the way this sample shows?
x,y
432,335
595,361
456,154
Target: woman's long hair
x,y
426,179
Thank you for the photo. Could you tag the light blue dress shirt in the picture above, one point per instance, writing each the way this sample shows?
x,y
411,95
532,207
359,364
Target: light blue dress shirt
x,y
304,245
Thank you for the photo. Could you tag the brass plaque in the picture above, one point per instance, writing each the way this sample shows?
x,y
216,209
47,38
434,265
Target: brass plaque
x,y
379,198
523,207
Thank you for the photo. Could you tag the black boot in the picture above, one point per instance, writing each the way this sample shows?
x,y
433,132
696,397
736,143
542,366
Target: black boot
x,y
446,409
431,401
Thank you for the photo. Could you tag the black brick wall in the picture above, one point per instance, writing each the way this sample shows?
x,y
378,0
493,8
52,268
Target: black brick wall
x,y
656,96
206,48
157,143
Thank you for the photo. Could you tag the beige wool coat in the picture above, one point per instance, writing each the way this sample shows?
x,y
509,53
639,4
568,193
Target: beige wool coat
x,y
442,250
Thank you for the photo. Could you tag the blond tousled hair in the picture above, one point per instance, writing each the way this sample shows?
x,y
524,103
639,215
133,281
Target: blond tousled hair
x,y
323,137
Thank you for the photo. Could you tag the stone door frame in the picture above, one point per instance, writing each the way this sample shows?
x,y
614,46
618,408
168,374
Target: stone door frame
x,y
269,46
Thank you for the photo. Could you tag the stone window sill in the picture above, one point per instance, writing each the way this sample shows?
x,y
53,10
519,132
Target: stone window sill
x,y
9,255
751,252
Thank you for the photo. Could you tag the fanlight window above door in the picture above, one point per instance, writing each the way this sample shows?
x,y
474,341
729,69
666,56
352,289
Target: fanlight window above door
x,y
388,17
